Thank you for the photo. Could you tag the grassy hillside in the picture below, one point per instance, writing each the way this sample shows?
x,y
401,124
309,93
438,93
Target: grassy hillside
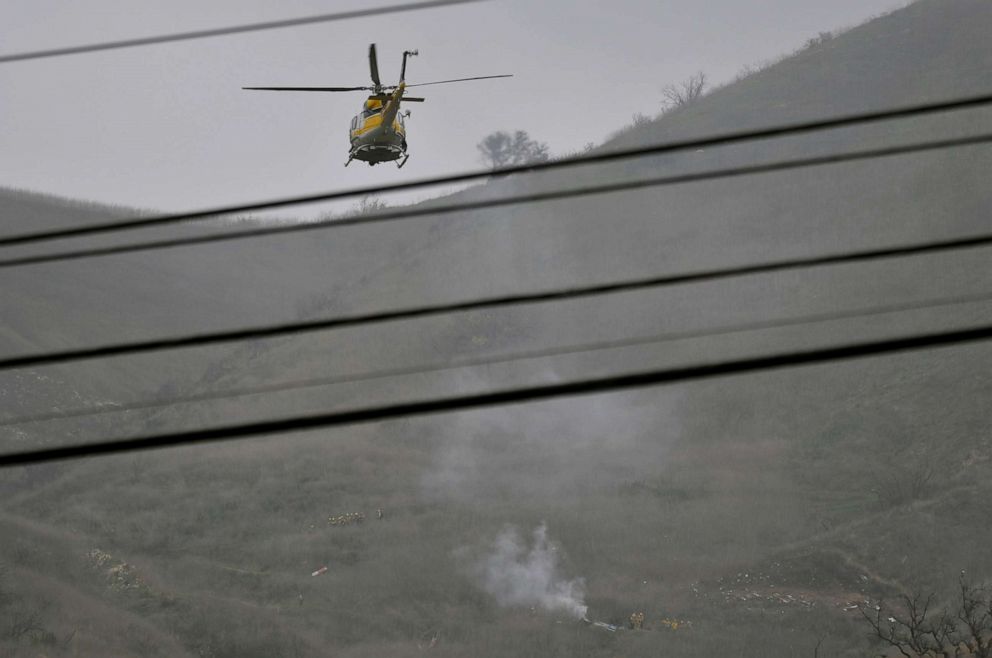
x,y
761,510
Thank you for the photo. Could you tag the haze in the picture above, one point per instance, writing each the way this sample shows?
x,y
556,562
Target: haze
x,y
168,127
800,510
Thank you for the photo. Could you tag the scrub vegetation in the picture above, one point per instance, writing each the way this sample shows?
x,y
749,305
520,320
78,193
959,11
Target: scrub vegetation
x,y
768,515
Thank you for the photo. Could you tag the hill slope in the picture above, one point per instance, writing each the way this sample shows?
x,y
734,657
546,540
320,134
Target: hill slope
x,y
760,509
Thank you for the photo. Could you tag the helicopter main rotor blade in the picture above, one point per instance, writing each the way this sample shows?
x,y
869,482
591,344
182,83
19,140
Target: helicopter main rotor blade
x,y
374,67
444,82
388,97
308,88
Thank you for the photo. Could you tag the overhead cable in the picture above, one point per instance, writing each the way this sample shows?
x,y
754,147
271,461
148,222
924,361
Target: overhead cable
x,y
499,359
528,394
233,29
422,211
722,139
560,294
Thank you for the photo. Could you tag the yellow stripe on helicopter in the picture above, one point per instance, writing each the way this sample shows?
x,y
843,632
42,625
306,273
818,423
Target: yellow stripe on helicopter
x,y
375,121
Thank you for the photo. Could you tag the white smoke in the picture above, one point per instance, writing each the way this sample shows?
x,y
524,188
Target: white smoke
x,y
520,575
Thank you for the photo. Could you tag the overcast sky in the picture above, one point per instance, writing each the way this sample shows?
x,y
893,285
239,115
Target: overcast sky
x,y
167,127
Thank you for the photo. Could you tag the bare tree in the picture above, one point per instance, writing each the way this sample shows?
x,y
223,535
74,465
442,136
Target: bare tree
x,y
917,629
975,614
684,93
501,149
910,483
369,205
24,620
818,40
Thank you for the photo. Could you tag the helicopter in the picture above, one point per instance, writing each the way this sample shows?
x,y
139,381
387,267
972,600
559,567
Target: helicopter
x,y
378,133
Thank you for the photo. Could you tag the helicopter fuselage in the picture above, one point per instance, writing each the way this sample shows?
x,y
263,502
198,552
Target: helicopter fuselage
x,y
375,141
378,134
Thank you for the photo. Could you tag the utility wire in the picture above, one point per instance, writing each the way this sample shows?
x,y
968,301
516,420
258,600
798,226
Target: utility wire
x,y
561,294
234,29
423,211
904,112
589,386
525,355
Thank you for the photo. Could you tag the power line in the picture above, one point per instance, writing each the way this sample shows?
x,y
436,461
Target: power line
x,y
723,139
521,395
561,294
525,355
235,29
593,190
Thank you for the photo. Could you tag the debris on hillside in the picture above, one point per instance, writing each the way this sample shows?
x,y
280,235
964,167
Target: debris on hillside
x,y
429,639
99,558
602,624
347,519
120,575
766,596
828,577
858,604
758,587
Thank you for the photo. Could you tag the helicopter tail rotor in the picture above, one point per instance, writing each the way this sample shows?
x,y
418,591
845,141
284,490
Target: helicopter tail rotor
x,y
406,53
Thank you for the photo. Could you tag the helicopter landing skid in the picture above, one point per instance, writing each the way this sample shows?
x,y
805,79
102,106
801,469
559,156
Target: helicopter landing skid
x,y
374,155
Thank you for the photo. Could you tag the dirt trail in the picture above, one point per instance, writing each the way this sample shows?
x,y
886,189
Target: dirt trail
x,y
819,542
852,562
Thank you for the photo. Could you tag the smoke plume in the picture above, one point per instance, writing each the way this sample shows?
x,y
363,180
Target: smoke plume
x,y
520,575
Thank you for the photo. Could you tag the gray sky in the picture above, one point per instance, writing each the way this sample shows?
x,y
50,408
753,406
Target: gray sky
x,y
167,127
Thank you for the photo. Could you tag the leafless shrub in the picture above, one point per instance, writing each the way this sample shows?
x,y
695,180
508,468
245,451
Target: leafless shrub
x,y
23,621
918,628
369,205
746,72
975,614
906,485
686,92
818,40
501,149
639,119
587,148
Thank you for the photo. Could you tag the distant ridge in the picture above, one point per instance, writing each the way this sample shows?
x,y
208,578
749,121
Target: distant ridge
x,y
22,210
928,50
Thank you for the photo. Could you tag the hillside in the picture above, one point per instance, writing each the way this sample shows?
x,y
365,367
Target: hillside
x,y
761,510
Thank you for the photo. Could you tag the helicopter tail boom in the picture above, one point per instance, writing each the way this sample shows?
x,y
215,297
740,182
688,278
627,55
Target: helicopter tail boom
x,y
392,107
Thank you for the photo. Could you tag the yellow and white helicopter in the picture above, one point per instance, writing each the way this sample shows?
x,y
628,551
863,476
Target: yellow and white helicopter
x,y
378,134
